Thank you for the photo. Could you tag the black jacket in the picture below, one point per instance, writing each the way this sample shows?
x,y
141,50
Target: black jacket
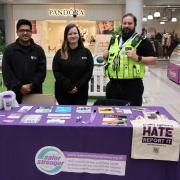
x,y
24,65
75,71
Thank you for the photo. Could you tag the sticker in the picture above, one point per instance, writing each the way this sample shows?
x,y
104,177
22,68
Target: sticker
x,y
50,160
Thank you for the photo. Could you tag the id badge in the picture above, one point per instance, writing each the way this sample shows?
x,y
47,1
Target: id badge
x,y
116,60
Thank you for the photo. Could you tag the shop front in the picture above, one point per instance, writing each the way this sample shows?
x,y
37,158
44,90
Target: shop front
x,y
49,21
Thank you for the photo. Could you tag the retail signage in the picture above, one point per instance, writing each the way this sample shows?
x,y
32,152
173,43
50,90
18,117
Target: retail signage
x,y
66,12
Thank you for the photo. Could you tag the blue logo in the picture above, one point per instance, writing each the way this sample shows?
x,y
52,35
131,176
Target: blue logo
x,y
50,160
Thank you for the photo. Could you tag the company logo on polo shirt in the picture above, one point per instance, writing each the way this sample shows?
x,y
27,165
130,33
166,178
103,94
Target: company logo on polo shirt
x,y
33,57
84,57
50,160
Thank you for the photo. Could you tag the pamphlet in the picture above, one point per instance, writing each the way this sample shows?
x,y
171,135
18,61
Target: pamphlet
x,y
119,110
105,110
59,116
25,108
31,118
63,109
44,109
83,109
114,119
55,121
15,116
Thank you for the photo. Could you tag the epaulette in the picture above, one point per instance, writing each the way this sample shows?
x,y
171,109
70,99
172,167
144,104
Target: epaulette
x,y
136,40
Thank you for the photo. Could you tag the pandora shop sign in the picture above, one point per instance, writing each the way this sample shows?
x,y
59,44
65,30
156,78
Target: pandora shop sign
x,y
66,12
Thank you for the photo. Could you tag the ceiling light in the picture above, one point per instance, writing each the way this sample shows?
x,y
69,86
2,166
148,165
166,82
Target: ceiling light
x,y
157,14
174,19
162,22
150,17
144,19
165,19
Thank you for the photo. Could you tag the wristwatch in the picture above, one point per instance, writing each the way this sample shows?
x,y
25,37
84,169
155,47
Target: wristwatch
x,y
139,58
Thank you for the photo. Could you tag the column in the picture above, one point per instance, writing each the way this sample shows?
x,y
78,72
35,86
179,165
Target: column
x,y
136,7
9,24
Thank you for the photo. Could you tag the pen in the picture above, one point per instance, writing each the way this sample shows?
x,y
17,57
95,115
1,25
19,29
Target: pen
x,y
92,117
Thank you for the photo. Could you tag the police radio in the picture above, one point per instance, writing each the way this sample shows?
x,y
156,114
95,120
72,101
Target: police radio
x,y
136,40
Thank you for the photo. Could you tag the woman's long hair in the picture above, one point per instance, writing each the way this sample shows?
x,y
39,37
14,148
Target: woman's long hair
x,y
65,45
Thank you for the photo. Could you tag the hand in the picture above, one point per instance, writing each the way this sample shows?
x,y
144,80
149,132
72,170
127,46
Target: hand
x,y
74,90
25,89
105,54
132,54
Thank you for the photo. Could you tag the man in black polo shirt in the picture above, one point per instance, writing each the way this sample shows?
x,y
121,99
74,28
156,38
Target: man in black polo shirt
x,y
24,63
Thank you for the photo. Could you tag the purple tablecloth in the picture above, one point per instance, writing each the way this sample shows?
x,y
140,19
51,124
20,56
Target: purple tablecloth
x,y
19,144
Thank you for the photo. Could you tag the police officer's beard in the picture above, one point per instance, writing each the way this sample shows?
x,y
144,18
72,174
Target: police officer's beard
x,y
127,33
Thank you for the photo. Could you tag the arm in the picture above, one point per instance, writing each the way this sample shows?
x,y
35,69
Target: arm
x,y
9,77
59,76
149,60
145,53
89,70
41,69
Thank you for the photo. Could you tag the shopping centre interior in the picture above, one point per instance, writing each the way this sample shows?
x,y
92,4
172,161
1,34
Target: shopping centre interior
x,y
97,21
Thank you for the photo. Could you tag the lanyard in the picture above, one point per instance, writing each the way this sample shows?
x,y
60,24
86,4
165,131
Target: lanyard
x,y
122,44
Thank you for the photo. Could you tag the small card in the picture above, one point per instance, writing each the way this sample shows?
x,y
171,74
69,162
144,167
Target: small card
x,y
8,120
55,121
43,109
63,109
25,108
119,110
83,109
114,120
52,115
105,110
15,116
32,118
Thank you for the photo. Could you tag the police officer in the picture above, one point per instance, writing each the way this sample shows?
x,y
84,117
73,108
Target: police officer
x,y
126,57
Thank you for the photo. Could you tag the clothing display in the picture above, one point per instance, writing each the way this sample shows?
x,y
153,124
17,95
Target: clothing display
x,y
75,71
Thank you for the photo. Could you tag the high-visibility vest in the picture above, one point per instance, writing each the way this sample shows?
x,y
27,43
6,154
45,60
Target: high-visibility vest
x,y
124,67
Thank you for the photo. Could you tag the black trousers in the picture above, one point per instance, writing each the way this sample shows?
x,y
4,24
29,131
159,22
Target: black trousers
x,y
126,89
64,98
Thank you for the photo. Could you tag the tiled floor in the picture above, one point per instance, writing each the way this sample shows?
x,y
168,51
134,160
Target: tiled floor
x,y
160,91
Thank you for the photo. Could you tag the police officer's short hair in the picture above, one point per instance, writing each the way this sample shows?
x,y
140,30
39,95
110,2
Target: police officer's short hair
x,y
132,15
23,22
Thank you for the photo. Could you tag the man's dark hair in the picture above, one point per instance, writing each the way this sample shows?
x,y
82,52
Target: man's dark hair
x,y
132,15
23,22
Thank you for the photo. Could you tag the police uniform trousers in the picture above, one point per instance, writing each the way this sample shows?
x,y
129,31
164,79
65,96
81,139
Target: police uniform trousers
x,y
126,89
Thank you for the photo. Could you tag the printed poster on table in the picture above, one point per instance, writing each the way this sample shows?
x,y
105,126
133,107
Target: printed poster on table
x,y
52,160
155,139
